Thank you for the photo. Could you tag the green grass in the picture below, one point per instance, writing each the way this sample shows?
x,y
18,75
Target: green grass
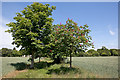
x,y
83,67
8,63
48,70
106,67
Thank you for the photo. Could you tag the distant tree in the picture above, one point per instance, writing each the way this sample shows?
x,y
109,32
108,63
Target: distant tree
x,y
80,53
0,52
32,27
104,51
114,52
104,48
4,52
16,53
92,52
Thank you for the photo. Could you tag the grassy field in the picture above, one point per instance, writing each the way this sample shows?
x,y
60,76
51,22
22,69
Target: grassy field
x,y
8,63
106,67
84,67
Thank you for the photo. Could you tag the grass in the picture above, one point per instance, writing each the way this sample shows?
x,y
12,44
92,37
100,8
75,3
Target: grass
x,y
83,67
55,71
9,63
106,67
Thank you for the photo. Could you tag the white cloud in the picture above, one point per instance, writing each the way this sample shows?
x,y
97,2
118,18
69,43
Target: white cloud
x,y
6,38
111,32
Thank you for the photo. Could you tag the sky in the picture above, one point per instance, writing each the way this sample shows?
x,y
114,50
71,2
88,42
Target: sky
x,y
101,17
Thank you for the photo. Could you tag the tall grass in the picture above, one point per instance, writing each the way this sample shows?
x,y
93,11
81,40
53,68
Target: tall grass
x,y
106,67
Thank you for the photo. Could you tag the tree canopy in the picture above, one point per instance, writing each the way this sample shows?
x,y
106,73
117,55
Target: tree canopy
x,y
69,38
31,28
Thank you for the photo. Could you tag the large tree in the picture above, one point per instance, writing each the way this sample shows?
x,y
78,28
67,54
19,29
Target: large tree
x,y
31,28
69,38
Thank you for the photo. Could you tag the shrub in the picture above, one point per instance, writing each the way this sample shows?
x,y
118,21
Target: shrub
x,y
99,51
81,54
92,52
86,54
114,52
104,52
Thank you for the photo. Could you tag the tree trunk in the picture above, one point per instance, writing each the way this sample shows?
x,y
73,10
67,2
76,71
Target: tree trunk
x,y
71,56
70,60
32,61
57,60
39,59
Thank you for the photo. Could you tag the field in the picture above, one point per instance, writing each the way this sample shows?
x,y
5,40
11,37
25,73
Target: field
x,y
84,67
106,67
8,61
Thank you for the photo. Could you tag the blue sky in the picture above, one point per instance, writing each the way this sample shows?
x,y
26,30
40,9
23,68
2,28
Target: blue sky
x,y
101,17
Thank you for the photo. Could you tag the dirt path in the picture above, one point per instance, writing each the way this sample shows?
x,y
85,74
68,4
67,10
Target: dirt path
x,y
14,73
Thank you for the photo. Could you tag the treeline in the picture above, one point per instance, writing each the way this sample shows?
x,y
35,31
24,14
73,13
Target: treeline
x,y
99,52
5,52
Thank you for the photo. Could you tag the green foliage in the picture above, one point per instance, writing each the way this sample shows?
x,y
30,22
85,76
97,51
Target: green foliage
x,y
10,53
32,27
0,52
118,52
6,52
80,53
99,51
104,51
114,52
104,54
86,54
92,52
69,39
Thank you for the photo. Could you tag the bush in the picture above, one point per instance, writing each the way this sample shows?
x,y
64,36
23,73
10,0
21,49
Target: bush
x,y
92,52
104,52
86,54
81,54
114,52
99,51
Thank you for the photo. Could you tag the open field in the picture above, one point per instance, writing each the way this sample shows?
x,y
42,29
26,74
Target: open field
x,y
8,61
106,67
89,67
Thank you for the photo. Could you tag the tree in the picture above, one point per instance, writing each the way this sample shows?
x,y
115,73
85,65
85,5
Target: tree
x,y
0,52
32,27
4,52
92,52
69,38
114,52
104,51
104,48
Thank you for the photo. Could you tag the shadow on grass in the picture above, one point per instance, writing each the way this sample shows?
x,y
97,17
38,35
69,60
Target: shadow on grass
x,y
43,64
19,66
64,70
22,65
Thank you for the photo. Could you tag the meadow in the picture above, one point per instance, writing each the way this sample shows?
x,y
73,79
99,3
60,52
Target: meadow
x,y
83,67
106,67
